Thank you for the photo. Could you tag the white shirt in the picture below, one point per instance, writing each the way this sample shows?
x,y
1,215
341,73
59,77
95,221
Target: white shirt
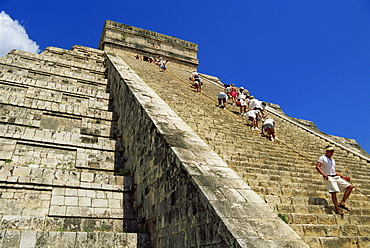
x,y
241,95
328,166
254,103
252,113
269,121
222,95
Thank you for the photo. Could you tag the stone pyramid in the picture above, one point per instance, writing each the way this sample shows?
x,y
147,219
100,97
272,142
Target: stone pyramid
x,y
100,149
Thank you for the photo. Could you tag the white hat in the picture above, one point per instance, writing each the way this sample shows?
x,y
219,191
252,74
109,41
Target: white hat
x,y
329,148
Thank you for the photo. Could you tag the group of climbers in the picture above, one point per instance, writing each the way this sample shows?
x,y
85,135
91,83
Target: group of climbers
x,y
249,106
334,181
160,62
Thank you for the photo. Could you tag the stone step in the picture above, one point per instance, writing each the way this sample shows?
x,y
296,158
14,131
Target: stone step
x,y
347,242
89,110
23,80
27,238
51,137
282,173
58,94
327,219
76,57
45,73
43,176
321,208
55,65
20,119
289,180
321,198
315,230
54,224
263,191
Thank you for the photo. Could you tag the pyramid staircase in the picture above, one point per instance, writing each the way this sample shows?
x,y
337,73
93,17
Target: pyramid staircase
x,y
282,173
61,177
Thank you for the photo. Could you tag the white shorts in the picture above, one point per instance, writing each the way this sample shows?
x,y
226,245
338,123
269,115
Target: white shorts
x,y
242,102
222,96
336,184
268,125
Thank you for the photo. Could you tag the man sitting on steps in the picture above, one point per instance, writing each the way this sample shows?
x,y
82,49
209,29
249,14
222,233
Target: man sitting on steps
x,y
334,180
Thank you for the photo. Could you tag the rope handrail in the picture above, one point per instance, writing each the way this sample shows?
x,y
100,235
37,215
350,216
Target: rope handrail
x,y
310,130
291,121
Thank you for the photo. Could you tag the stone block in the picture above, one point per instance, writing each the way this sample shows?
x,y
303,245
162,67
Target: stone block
x,y
108,186
117,195
81,239
7,195
58,191
71,192
232,195
11,238
57,200
213,193
84,202
81,192
87,177
117,213
10,222
314,231
6,154
91,193
28,239
233,225
24,223
114,203
102,212
74,211
21,171
71,201
87,211
99,203
29,133
86,185
101,194
243,210
335,242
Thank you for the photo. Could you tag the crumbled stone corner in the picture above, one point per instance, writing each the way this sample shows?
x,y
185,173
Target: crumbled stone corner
x,y
274,106
211,78
307,123
350,142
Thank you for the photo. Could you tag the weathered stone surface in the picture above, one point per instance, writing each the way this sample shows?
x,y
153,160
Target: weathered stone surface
x,y
201,176
53,125
210,193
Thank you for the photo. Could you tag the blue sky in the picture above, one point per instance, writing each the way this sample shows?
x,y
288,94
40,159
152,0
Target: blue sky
x,y
310,57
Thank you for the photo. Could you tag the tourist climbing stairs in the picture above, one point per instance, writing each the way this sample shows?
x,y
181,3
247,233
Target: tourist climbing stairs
x,y
282,172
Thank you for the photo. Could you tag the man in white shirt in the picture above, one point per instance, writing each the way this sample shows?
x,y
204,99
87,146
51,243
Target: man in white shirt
x,y
269,127
241,102
334,180
222,98
256,104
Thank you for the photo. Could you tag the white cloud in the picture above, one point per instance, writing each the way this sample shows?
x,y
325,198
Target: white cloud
x,y
14,36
